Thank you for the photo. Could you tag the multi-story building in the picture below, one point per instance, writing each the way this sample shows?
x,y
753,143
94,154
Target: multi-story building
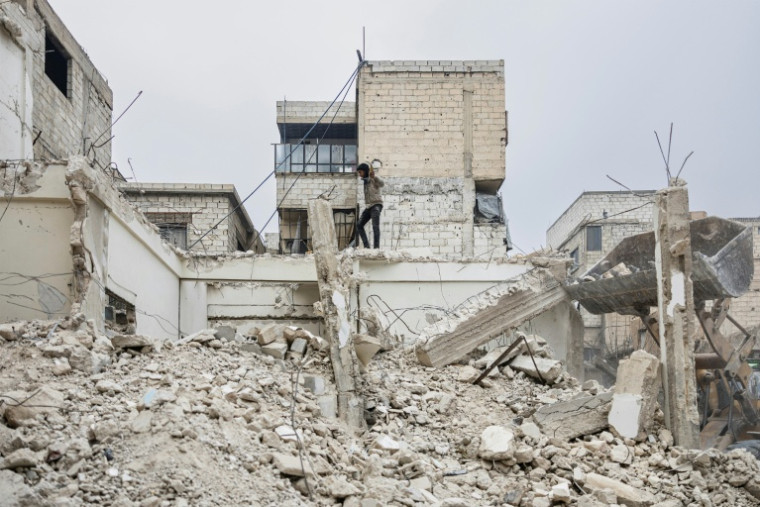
x,y
185,211
55,102
436,132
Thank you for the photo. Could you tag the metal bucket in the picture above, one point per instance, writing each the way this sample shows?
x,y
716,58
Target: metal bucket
x,y
722,266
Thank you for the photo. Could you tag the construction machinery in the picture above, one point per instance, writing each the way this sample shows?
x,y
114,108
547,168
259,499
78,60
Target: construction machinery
x,y
728,371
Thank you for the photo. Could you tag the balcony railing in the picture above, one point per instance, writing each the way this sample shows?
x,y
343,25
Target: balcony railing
x,y
315,158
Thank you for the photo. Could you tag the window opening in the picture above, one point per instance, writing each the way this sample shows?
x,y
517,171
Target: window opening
x,y
594,238
120,315
56,63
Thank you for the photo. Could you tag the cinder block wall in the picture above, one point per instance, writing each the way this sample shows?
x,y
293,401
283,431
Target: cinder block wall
x,y
307,186
205,211
438,128
69,122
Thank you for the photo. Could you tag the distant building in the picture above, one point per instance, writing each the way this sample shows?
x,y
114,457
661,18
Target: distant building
x,y
436,130
184,211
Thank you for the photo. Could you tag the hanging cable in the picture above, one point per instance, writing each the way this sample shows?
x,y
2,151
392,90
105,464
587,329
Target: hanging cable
x,y
287,157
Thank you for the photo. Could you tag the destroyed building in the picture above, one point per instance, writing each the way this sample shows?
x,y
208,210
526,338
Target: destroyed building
x,y
183,212
55,102
136,373
434,130
587,231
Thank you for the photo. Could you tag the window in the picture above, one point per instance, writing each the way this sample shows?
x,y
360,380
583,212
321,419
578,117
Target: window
x,y
315,158
56,63
119,314
576,257
594,238
175,234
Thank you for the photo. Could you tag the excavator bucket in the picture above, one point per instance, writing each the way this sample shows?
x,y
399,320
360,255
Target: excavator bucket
x,y
625,281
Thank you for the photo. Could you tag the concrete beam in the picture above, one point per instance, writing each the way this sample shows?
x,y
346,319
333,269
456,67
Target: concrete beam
x,y
675,297
334,294
537,294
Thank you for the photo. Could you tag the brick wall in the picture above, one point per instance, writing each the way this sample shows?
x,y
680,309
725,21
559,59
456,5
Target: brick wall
x,y
592,205
205,210
489,240
310,111
70,121
311,185
433,118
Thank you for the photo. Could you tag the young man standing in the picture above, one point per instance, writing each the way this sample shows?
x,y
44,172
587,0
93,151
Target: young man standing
x,y
373,200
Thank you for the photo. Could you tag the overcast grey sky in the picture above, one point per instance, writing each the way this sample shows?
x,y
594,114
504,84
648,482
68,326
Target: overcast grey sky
x,y
587,83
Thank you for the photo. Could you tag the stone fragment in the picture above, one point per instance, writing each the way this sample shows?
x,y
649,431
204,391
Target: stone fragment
x,y
531,430
270,334
291,465
497,443
8,332
225,333
131,341
635,397
13,490
524,454
574,418
315,384
328,406
105,385
549,369
561,492
299,346
386,443
467,374
22,458
621,454
626,495
340,488
275,349
366,347
42,401
141,424
494,354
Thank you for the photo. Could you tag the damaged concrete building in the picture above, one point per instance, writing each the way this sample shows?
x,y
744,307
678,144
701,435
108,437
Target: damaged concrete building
x,y
435,131
183,212
587,231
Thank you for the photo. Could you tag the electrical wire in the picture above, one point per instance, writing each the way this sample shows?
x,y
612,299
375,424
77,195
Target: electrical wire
x,y
287,157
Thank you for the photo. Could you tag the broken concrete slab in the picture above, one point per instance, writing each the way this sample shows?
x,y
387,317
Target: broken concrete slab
x,y
494,354
315,384
626,495
575,418
271,333
275,349
635,397
536,293
548,370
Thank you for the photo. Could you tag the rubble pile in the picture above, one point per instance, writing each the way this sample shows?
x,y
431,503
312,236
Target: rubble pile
x,y
220,418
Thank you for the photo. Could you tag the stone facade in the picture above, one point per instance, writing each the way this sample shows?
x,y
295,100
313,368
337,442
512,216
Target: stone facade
x,y
199,207
67,118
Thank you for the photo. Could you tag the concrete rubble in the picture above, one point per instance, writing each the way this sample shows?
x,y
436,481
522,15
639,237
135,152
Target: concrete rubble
x,y
207,420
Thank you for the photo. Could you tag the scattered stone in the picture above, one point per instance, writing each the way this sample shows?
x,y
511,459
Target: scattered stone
x,y
291,465
131,341
575,418
22,458
315,384
366,347
142,423
548,369
275,349
497,443
626,495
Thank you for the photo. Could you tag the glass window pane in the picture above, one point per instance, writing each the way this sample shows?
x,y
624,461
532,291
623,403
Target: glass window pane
x,y
336,168
323,154
593,238
296,168
310,153
311,168
350,154
323,168
280,153
337,153
297,156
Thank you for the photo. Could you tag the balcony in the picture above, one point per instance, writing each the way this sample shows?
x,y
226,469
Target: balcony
x,y
315,158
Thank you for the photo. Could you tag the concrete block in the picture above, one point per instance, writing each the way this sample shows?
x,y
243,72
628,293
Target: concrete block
x,y
497,443
315,384
549,369
270,333
299,346
626,495
328,406
275,349
635,398
575,418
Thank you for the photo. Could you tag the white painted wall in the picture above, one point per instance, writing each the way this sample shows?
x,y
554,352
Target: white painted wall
x,y
193,306
137,270
15,100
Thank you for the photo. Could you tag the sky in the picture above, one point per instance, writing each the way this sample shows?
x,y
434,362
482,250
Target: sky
x,y
587,84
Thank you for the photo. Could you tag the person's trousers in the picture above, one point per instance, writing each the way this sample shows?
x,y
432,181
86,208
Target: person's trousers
x,y
373,212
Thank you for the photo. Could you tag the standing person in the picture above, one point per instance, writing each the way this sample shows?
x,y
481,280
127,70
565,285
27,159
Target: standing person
x,y
373,201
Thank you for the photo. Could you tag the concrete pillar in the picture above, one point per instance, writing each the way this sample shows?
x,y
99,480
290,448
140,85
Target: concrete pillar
x,y
675,296
334,294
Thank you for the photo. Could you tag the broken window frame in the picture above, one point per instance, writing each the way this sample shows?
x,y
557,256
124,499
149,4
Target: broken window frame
x,y
345,228
593,238
119,304
575,255
57,64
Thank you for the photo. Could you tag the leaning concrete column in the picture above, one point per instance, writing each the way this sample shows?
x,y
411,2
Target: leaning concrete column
x,y
335,299
675,297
